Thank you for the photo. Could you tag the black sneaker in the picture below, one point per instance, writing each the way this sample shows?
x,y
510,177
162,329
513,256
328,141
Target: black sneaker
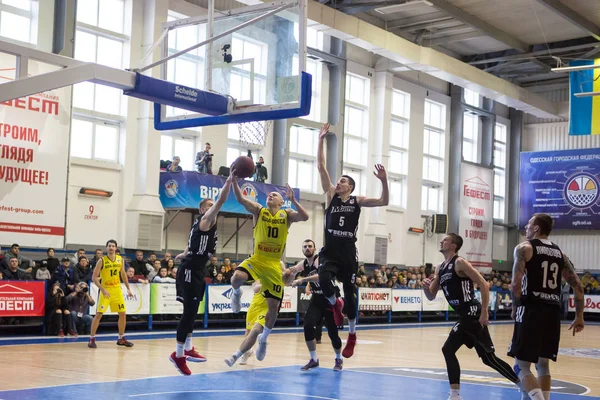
x,y
311,364
124,342
339,364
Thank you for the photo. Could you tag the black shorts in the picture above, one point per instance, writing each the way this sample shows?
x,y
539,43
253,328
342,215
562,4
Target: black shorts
x,y
536,333
190,279
471,333
342,264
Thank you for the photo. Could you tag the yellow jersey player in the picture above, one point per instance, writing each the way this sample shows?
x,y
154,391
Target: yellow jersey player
x,y
271,225
108,274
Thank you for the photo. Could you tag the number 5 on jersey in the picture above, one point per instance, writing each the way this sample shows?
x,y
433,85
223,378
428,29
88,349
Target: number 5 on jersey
x,y
342,221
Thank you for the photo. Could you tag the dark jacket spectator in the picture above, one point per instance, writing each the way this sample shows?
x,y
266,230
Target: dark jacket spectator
x,y
25,263
82,272
62,275
52,261
260,171
79,302
13,273
139,264
174,166
58,311
97,256
165,261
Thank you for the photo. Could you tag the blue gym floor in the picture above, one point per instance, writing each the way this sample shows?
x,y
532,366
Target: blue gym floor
x,y
273,383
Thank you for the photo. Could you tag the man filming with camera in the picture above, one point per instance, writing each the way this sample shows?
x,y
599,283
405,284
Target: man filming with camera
x,y
204,160
79,302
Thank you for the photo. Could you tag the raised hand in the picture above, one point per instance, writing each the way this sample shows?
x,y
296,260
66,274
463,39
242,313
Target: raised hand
x,y
324,131
380,172
290,193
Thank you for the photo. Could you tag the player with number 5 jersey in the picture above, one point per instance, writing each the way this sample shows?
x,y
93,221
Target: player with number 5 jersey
x,y
271,225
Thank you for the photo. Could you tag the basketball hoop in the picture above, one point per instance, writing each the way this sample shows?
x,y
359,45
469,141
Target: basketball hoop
x,y
253,134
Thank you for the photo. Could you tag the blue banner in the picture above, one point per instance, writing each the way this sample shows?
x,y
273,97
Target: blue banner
x,y
186,189
564,184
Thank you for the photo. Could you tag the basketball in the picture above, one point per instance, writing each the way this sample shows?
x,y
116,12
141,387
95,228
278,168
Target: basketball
x,y
243,166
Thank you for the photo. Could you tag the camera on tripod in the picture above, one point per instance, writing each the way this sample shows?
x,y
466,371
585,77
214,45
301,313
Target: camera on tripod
x,y
228,58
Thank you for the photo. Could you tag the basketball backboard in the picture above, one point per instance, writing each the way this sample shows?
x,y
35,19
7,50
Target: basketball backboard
x,y
257,59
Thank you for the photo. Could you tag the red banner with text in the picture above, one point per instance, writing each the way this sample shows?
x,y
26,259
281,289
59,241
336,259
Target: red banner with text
x,y
22,298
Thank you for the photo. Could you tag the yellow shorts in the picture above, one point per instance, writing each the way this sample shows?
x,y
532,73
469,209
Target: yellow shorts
x,y
116,301
257,311
269,273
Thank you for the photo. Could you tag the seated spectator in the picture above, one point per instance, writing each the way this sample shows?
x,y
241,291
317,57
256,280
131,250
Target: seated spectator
x,y
412,285
223,272
419,276
413,280
13,273
593,283
58,312
419,284
364,281
139,265
372,283
174,166
52,261
43,274
218,279
152,258
97,256
389,284
395,283
227,265
213,267
75,258
585,278
155,270
81,272
25,263
361,271
505,287
422,271
394,269
79,302
165,260
171,265
173,273
62,275
587,289
379,282
163,276
133,278
383,274
403,284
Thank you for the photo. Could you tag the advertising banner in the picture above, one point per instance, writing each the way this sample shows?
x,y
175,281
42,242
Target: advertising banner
x,y
163,299
503,301
303,300
139,303
476,215
290,300
22,299
406,300
219,298
186,189
374,299
592,303
438,304
492,302
564,184
34,153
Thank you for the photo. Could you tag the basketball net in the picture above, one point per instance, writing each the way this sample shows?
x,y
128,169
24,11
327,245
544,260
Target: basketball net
x,y
253,134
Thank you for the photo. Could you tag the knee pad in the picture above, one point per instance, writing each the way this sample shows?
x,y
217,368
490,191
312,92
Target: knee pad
x,y
543,367
309,332
522,368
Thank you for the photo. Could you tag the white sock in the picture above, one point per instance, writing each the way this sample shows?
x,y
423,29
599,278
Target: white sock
x,y
546,395
188,343
237,291
237,354
352,326
331,299
536,394
338,356
454,392
313,356
179,350
524,395
120,337
264,335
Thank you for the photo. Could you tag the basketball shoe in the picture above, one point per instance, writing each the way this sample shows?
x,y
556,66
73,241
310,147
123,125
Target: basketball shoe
x,y
124,342
311,364
193,356
350,343
180,364
261,349
246,356
339,364
338,316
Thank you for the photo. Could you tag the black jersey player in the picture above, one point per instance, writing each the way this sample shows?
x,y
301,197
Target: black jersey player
x,y
456,276
338,258
202,244
536,287
318,309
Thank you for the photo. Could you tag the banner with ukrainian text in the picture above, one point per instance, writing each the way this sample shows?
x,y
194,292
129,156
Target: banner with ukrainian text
x,y
476,215
186,189
584,118
564,184
34,153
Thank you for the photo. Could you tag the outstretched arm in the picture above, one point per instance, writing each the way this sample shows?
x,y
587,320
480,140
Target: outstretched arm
x,y
295,216
569,274
250,206
209,218
325,179
384,199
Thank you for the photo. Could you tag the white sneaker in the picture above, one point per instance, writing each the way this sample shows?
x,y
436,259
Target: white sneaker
x,y
231,360
454,397
236,301
261,350
246,356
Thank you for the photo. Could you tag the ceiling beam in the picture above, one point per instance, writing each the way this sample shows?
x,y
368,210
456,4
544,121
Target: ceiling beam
x,y
574,17
544,52
366,6
447,31
484,27
591,53
420,20
443,22
454,38
545,67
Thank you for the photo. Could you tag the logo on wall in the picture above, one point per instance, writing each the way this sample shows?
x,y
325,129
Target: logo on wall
x,y
581,191
249,192
171,188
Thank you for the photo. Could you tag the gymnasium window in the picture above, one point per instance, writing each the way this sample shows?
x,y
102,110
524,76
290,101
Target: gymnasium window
x,y
472,98
434,145
101,37
398,165
500,156
471,134
182,146
302,167
94,139
356,127
19,20
240,77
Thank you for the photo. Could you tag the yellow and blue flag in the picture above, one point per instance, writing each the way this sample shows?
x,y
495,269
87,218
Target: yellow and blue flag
x,y
584,111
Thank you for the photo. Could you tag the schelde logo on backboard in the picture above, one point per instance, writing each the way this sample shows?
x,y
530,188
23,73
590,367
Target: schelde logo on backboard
x,y
187,92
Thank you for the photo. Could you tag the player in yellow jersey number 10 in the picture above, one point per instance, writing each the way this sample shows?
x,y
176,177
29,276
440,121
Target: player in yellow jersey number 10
x,y
271,225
